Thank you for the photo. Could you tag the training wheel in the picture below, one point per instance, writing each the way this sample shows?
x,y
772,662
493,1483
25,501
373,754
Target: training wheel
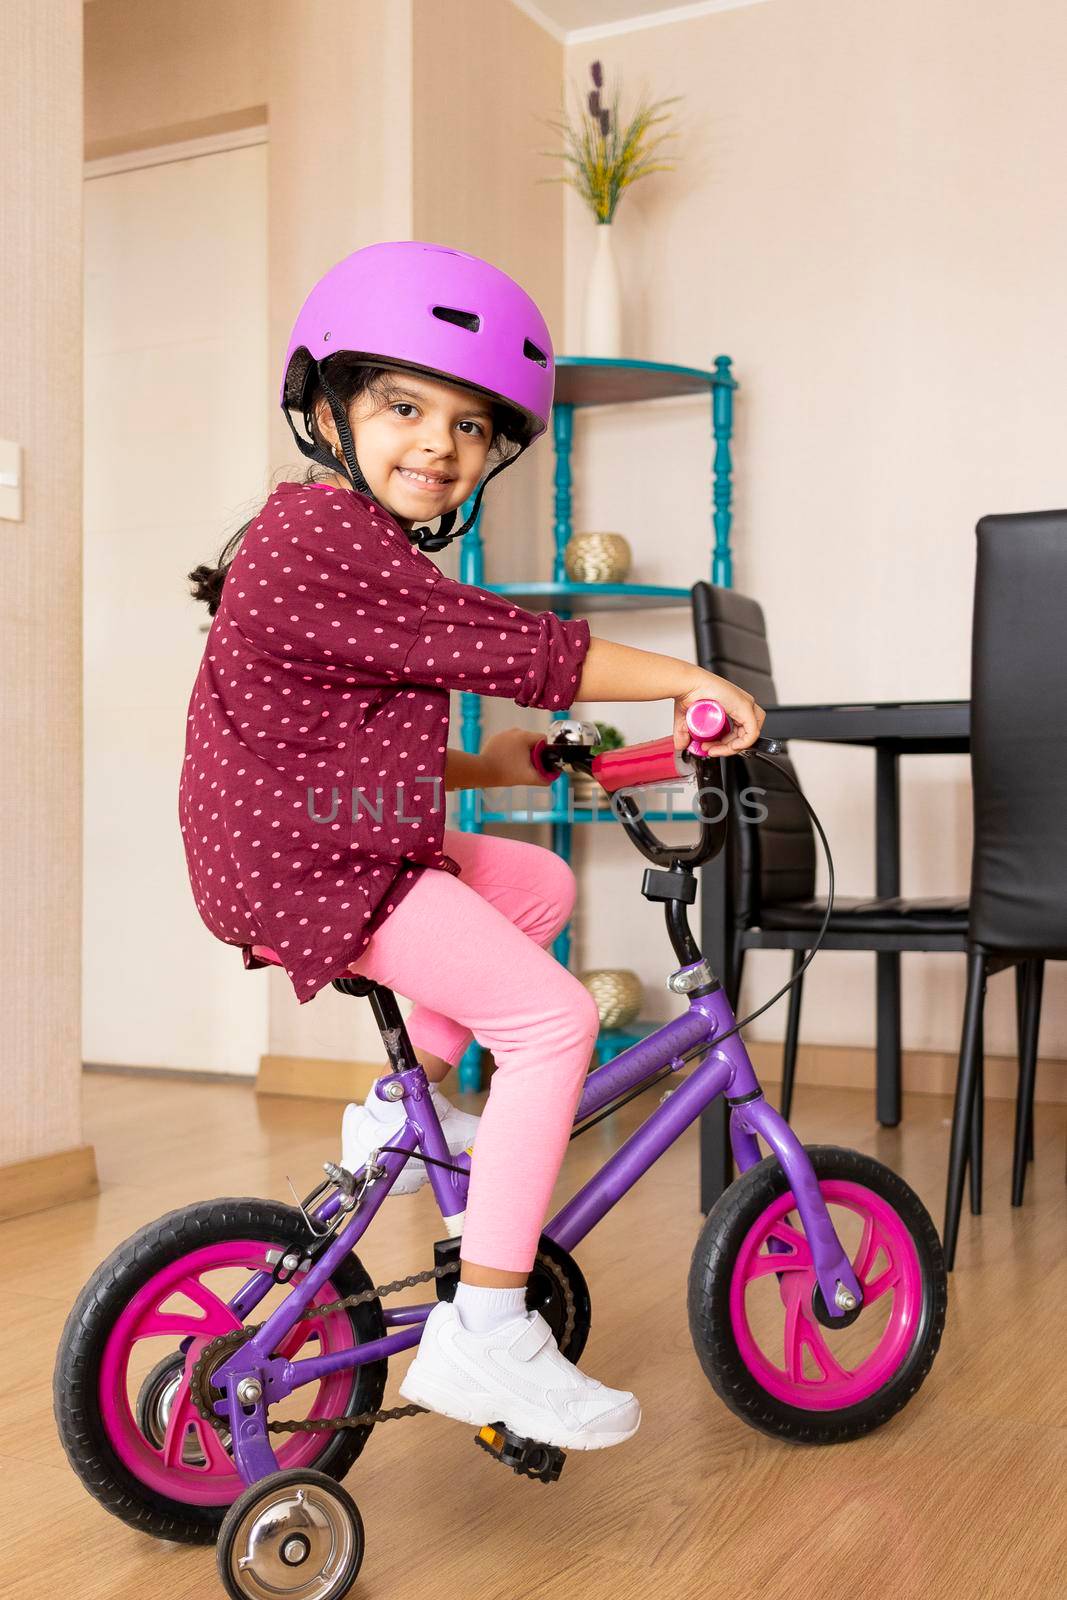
x,y
293,1536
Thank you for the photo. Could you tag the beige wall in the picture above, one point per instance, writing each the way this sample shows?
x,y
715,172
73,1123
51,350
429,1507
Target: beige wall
x,y
869,219
40,685
156,72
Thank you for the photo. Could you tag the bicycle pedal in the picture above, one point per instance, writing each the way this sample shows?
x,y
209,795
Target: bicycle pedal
x,y
526,1457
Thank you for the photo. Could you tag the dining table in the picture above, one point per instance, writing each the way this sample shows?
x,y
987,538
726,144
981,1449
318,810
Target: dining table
x,y
892,729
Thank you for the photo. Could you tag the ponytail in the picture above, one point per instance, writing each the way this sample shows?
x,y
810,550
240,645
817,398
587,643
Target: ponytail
x,y
207,581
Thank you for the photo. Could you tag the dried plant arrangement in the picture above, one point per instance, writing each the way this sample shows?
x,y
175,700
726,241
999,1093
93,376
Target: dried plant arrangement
x,y
603,157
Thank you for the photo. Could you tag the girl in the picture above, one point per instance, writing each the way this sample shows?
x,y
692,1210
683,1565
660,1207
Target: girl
x,y
317,748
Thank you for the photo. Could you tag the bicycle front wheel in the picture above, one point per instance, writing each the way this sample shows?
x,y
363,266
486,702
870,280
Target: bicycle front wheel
x,y
760,1328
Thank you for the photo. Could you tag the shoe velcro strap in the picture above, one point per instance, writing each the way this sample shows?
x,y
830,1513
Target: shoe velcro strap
x,y
533,1338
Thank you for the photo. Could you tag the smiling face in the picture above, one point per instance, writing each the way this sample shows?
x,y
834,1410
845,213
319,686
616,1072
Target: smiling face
x,y
422,448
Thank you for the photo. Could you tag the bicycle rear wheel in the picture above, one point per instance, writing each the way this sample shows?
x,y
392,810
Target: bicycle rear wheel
x,y
132,1434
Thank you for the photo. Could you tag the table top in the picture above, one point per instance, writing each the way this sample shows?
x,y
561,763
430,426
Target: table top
x,y
907,726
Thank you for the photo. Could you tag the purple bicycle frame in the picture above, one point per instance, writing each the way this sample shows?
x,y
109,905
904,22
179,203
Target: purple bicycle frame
x,y
725,1068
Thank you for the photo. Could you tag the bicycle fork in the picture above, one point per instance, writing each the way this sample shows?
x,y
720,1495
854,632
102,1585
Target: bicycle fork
x,y
750,1114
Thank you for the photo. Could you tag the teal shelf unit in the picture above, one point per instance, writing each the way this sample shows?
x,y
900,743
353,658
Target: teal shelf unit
x,y
583,382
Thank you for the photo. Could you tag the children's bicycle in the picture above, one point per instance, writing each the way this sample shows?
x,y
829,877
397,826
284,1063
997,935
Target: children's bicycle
x,y
816,1291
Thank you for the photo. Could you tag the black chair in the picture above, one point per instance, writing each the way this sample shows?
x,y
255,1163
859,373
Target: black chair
x,y
1019,782
771,897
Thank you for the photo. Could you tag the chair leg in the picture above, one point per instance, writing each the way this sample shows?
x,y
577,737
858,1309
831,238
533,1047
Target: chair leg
x,y
1022,974
1039,991
1024,1100
965,1091
792,1037
1039,969
978,1122
887,1046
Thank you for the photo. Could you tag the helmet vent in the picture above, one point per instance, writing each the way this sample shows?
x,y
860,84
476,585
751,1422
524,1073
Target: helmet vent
x,y
531,351
462,319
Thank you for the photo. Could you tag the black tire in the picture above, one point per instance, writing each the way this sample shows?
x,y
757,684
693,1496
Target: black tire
x,y
324,1492
101,1302
708,1301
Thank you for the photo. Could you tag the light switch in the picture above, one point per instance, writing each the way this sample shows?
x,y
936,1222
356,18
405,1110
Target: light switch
x,y
10,481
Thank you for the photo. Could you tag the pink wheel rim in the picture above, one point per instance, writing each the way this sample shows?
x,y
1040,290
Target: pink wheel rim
x,y
165,1470
837,1386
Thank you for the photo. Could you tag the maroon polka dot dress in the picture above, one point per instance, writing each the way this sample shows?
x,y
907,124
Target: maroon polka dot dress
x,y
312,792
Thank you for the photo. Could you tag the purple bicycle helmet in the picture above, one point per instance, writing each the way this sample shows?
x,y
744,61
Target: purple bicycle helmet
x,y
432,310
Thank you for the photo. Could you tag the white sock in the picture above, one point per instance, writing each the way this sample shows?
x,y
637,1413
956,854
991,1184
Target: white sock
x,y
481,1310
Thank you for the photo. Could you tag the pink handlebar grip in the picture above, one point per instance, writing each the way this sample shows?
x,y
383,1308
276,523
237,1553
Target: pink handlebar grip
x,y
655,761
707,722
537,762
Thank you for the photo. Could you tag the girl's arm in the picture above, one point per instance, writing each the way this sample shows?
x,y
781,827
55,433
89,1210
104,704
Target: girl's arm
x,y
613,672
462,771
618,672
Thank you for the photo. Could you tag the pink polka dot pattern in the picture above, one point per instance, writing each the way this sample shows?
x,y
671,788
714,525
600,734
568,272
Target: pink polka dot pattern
x,y
326,675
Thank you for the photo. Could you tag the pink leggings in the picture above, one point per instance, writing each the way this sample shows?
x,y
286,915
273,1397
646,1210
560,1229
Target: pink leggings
x,y
468,951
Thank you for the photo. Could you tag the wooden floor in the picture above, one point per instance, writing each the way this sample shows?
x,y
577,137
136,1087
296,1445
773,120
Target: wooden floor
x,y
964,1495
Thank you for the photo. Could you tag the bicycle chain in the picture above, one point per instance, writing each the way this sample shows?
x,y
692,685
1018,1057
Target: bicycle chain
x,y
219,1350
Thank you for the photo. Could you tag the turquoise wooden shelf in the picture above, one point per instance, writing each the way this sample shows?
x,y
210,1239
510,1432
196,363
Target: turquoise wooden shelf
x,y
598,381
582,382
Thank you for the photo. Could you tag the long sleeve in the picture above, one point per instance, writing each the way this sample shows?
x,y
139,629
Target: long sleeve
x,y
474,640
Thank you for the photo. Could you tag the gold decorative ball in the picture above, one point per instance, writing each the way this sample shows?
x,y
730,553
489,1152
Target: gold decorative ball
x,y
617,992
597,558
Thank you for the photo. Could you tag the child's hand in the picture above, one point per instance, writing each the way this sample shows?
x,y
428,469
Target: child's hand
x,y
506,760
747,717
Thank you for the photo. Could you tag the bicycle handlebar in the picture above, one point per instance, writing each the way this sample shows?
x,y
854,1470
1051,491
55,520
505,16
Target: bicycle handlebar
x,y
654,761
635,766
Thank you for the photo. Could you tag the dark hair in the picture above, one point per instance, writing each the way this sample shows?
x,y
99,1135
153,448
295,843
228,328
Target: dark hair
x,y
350,378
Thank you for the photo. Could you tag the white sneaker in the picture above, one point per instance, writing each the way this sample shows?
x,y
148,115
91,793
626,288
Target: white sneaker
x,y
515,1375
365,1127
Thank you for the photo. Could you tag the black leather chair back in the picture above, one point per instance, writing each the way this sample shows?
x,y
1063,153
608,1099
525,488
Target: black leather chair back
x,y
1019,735
774,860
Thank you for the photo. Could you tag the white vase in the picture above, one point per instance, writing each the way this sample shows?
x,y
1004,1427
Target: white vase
x,y
602,321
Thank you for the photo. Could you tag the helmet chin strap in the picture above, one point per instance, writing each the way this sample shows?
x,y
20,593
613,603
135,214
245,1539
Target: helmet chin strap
x,y
425,537
426,540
